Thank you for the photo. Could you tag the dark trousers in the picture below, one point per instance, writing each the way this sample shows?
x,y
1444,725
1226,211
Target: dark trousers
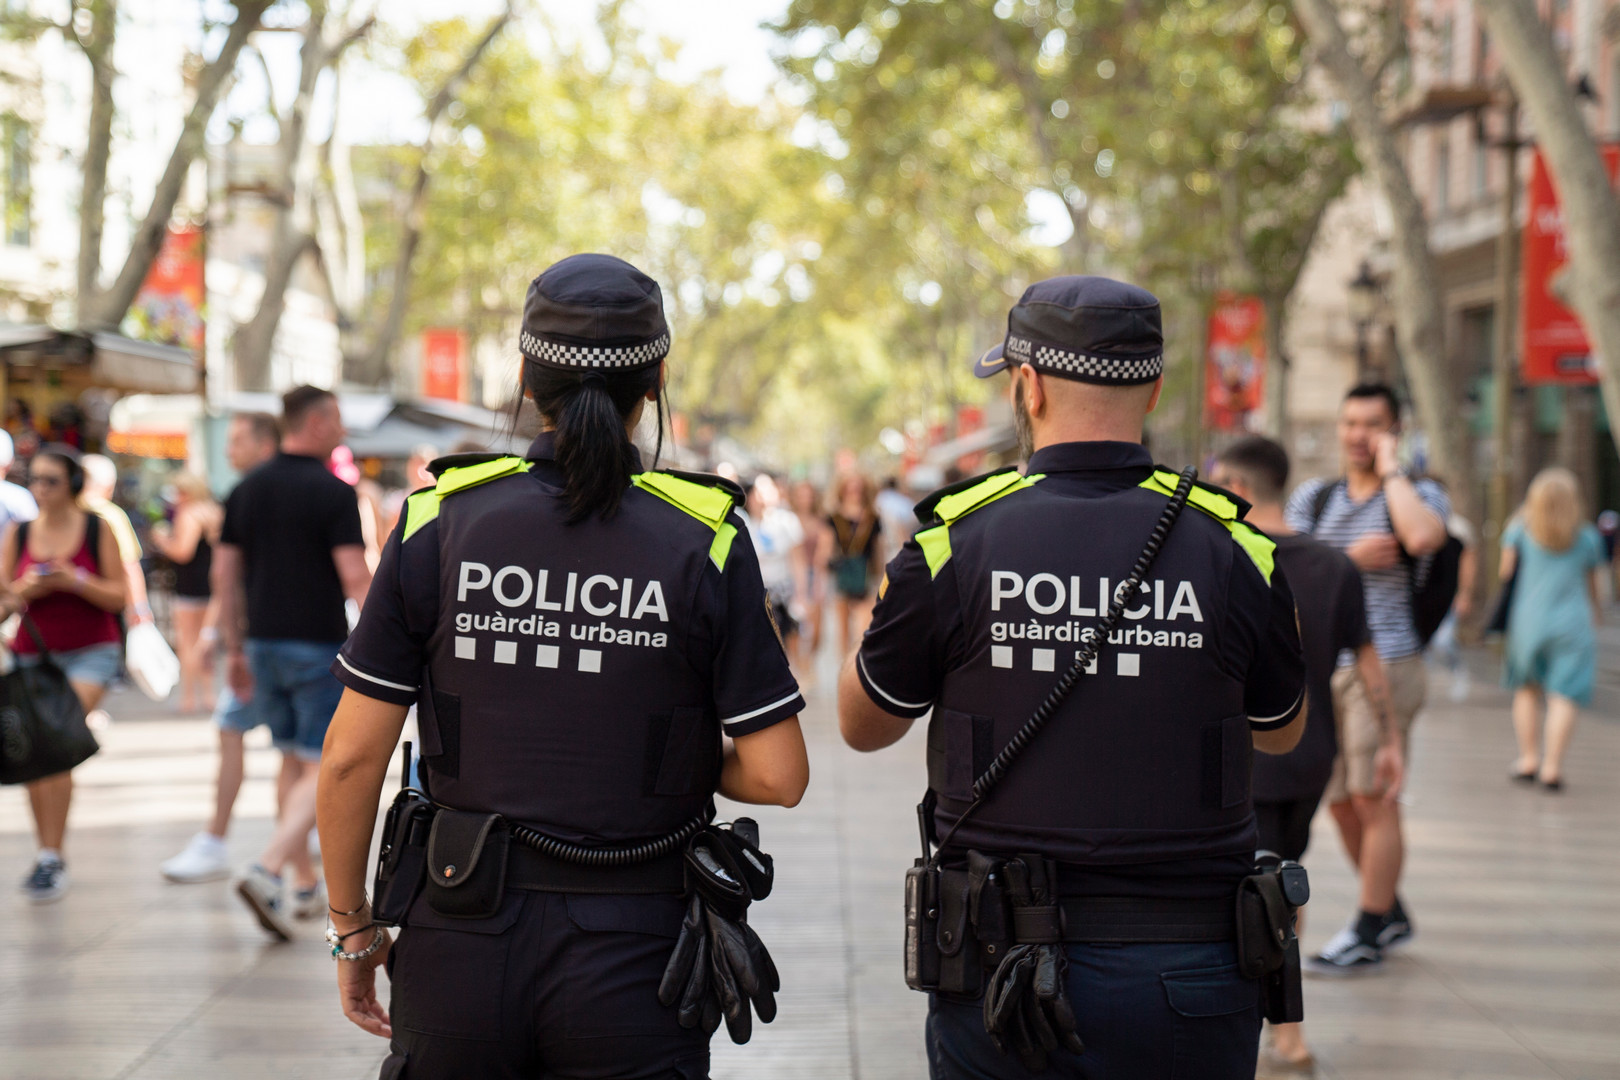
x,y
552,987
1146,1012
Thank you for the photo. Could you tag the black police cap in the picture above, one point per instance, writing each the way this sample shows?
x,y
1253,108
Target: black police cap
x,y
590,312
1090,329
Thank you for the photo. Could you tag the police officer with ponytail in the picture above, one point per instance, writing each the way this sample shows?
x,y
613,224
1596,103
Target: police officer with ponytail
x,y
590,650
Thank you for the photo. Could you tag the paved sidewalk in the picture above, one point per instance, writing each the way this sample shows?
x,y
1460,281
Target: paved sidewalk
x,y
1515,972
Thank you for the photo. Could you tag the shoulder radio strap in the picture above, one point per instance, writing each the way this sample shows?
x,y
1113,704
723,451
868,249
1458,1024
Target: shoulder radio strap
x,y
993,774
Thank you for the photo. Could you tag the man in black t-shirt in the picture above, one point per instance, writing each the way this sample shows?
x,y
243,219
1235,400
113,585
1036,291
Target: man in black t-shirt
x,y
292,545
1332,620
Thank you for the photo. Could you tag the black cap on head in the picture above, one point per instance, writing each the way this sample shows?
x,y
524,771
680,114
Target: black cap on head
x,y
1090,329
593,312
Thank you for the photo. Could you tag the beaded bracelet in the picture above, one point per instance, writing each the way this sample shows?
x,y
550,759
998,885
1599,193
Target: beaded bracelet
x,y
376,943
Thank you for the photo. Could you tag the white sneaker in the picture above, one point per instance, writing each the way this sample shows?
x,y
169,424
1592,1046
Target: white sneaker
x,y
204,859
260,890
308,903
47,882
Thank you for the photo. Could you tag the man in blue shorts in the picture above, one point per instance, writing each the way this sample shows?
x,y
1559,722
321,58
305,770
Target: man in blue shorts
x,y
291,546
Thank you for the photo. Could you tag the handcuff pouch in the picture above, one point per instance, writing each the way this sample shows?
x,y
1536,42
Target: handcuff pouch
x,y
1267,946
466,863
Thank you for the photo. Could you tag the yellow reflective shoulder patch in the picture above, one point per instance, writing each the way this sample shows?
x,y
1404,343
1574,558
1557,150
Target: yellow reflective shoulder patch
x,y
1256,545
420,509
720,549
955,507
1261,549
709,505
468,476
936,547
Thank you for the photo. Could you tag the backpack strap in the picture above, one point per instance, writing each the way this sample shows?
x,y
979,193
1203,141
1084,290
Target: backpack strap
x,y
1319,501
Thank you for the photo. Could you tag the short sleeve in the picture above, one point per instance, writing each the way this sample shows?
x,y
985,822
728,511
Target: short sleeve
x,y
1298,511
1434,496
344,528
384,656
752,684
1592,548
235,528
1274,690
1352,628
1513,534
901,661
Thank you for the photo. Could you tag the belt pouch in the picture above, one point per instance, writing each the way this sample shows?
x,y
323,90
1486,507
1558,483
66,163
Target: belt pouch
x,y
466,864
960,969
922,922
402,862
1264,924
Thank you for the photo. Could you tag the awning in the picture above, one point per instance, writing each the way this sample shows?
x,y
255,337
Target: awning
x,y
114,361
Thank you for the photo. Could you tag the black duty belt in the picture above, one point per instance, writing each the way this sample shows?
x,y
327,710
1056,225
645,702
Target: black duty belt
x,y
1133,921
529,869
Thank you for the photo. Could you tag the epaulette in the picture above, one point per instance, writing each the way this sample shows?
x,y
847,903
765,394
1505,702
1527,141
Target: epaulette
x,y
955,502
454,473
1227,509
704,496
925,508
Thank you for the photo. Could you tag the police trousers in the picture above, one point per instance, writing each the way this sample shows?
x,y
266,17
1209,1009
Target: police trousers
x,y
552,987
1146,1012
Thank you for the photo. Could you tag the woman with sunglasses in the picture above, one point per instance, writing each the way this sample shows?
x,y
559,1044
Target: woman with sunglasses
x,y
64,569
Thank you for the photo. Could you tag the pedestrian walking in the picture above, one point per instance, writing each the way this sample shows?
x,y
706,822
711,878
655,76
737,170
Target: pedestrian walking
x,y
188,542
15,502
1332,621
805,502
895,510
852,553
1555,558
251,440
1386,521
1079,912
292,549
624,606
778,544
65,567
100,484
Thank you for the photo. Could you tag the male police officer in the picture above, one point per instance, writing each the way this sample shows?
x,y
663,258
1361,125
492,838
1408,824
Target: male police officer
x,y
1135,798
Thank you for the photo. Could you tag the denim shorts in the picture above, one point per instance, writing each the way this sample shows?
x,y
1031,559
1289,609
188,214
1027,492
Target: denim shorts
x,y
96,665
294,694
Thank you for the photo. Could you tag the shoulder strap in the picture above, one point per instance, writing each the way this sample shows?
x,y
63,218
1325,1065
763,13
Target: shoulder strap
x,y
951,504
1227,509
708,498
92,536
456,473
1319,501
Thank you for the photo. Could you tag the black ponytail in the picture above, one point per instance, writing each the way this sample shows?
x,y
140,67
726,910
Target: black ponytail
x,y
588,411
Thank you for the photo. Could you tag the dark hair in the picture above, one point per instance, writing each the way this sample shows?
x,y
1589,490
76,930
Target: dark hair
x,y
1263,463
1362,391
262,424
588,412
299,402
72,461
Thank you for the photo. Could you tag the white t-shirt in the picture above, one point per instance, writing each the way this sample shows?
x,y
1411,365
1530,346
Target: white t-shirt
x,y
16,504
775,537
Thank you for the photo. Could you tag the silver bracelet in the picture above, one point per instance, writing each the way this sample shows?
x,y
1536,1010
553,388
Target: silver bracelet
x,y
377,940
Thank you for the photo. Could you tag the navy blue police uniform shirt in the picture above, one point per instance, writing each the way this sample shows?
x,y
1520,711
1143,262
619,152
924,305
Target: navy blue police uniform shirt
x,y
1139,786
1332,620
575,678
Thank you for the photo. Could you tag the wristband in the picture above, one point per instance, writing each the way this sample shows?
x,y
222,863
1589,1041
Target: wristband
x,y
349,914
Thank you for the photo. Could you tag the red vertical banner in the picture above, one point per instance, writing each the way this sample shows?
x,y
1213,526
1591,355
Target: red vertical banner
x,y
169,308
1235,363
443,353
1552,340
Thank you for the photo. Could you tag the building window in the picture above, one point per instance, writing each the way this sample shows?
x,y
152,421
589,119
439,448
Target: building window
x,y
16,148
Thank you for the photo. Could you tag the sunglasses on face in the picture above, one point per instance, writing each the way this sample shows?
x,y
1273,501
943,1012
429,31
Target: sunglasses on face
x,y
44,480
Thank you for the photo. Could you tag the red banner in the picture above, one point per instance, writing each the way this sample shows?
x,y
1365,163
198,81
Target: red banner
x,y
1555,348
442,354
1234,368
169,308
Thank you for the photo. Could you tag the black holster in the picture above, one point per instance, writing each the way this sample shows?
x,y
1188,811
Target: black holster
x,y
957,924
1267,946
402,860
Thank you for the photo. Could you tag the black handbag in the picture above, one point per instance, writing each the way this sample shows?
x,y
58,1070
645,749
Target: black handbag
x,y
42,723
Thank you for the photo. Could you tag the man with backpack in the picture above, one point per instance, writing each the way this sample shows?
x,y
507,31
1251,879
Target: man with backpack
x,y
1393,527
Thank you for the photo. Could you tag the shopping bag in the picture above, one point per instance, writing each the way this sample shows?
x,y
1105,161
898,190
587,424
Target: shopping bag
x,y
150,662
42,726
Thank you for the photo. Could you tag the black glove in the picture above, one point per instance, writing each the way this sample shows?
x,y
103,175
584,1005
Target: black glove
x,y
720,967
1026,1010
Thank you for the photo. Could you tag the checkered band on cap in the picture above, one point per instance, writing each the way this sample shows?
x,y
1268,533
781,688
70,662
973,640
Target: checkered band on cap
x,y
1083,366
561,354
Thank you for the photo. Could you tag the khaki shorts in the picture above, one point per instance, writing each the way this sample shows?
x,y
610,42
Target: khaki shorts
x,y
1359,733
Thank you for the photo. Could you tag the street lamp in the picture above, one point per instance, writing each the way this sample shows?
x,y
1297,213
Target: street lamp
x,y
1363,307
